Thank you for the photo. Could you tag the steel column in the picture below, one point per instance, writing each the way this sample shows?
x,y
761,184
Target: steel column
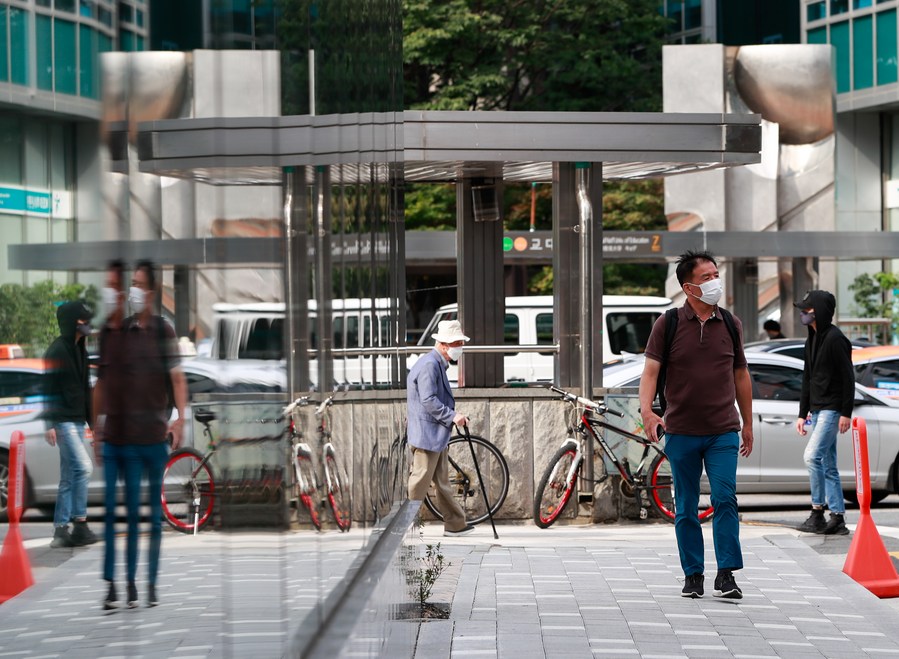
x,y
296,281
744,283
480,279
322,276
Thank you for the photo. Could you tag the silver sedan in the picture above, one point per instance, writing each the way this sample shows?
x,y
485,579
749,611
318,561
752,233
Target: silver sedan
x,y
776,464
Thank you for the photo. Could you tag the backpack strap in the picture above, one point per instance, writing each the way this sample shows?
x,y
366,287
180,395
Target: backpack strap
x,y
670,330
728,319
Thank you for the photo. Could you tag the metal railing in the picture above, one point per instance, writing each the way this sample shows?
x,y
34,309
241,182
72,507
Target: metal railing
x,y
551,348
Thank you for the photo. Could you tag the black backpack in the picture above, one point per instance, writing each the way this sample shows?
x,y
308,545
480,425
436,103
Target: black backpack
x,y
670,329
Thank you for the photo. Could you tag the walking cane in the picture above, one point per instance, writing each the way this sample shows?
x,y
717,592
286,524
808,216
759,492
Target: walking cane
x,y
477,469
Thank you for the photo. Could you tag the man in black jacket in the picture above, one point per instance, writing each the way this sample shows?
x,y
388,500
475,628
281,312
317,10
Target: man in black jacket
x,y
68,410
825,407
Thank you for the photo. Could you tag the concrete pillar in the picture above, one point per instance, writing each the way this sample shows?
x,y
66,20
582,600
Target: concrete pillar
x,y
321,224
296,281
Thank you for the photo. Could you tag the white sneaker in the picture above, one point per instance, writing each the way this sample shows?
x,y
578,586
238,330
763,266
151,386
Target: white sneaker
x,y
456,534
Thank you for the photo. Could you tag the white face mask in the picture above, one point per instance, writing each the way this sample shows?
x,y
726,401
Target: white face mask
x,y
454,353
137,299
110,300
711,291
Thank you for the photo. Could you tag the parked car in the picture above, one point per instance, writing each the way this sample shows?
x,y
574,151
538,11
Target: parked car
x,y
794,347
22,401
776,464
878,368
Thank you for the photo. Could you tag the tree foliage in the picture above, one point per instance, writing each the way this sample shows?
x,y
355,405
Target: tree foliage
x,y
28,314
574,55
874,298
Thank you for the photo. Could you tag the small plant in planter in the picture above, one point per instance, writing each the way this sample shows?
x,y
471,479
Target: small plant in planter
x,y
421,580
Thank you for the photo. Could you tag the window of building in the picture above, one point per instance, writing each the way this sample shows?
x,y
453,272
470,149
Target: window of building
x,y
675,13
839,39
818,35
65,5
126,40
886,47
87,8
88,62
126,13
64,57
861,4
4,52
693,14
139,18
862,53
18,46
44,39
815,11
838,7
44,3
104,16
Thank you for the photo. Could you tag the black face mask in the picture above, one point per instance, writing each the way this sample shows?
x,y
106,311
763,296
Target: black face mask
x,y
84,330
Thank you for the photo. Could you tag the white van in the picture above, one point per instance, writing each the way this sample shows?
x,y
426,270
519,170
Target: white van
x,y
627,322
256,331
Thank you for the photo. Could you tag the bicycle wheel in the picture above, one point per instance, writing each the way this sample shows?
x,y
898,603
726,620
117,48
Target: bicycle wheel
x,y
339,495
463,479
306,488
188,491
555,489
661,492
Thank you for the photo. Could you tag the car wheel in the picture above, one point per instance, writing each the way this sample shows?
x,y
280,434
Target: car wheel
x,y
876,496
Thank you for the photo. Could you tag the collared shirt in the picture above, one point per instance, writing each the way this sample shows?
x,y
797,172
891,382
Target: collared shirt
x,y
135,394
700,385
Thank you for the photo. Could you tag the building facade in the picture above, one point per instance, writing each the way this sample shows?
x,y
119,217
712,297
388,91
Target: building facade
x,y
50,79
732,22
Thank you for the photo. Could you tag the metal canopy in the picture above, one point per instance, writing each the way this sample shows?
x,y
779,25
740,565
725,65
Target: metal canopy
x,y
447,146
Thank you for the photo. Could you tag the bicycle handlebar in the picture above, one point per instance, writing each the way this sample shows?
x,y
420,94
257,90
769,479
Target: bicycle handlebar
x,y
299,402
325,405
569,397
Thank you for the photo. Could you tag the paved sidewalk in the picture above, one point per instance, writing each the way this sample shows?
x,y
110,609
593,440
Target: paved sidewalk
x,y
575,591
615,592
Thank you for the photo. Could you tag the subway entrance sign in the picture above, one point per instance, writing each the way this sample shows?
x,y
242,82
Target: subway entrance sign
x,y
618,244
15,200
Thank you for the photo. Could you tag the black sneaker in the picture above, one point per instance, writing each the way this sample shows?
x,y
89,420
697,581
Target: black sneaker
x,y
726,586
111,601
456,534
815,522
132,595
61,538
152,600
693,586
836,525
82,535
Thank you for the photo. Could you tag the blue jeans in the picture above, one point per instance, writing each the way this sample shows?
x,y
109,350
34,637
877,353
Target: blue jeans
x,y
75,468
687,455
821,460
133,462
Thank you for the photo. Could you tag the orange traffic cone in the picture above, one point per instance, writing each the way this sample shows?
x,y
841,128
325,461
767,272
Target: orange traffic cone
x,y
15,570
868,561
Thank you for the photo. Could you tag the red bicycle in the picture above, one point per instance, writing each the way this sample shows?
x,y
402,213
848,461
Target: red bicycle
x,y
651,483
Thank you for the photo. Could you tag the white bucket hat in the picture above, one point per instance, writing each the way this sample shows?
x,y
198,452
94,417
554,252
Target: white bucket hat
x,y
449,331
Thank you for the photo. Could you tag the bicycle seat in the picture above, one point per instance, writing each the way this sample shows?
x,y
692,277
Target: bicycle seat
x,y
204,416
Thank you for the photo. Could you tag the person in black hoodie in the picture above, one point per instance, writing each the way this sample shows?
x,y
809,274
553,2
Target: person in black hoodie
x,y
825,407
68,395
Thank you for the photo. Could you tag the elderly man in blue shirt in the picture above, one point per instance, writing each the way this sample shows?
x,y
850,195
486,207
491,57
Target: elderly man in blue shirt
x,y
432,413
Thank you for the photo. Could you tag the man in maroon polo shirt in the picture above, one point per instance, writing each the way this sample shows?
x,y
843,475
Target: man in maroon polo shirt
x,y
706,372
138,359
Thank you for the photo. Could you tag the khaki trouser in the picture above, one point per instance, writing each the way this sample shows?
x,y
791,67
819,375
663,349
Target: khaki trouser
x,y
430,466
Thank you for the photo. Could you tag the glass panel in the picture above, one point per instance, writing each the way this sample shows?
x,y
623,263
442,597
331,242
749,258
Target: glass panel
x,y
544,329
4,52
87,8
65,5
139,18
816,11
65,63
44,52
338,332
18,45
140,43
629,331
44,3
11,146
511,330
838,7
675,15
818,35
104,42
126,13
862,53
886,47
839,39
104,16
126,40
693,14
352,332
860,4
88,62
